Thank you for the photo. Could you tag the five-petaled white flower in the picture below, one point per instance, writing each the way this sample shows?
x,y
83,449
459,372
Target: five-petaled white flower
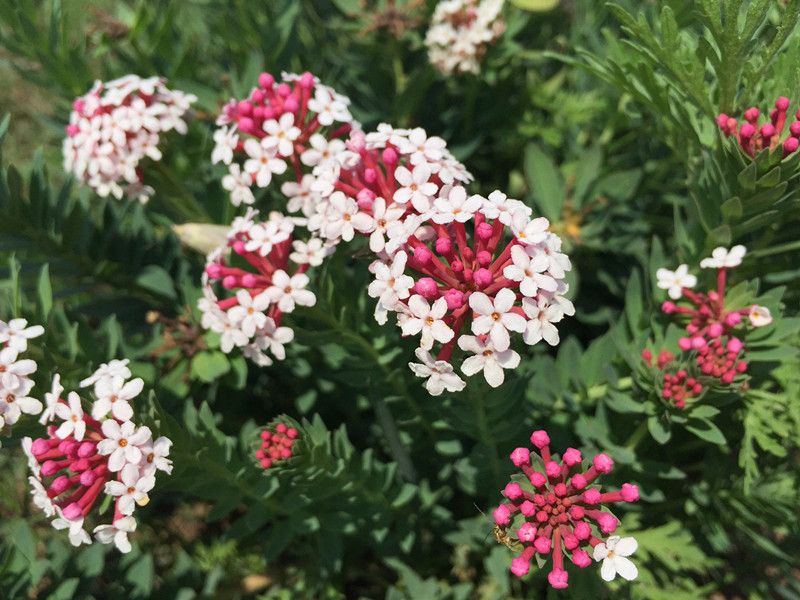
x,y
542,314
722,258
287,291
385,219
328,107
439,374
453,205
487,359
114,395
499,206
263,162
311,253
238,183
427,319
415,187
77,534
675,281
122,443
249,313
281,134
117,533
15,400
72,415
759,316
391,284
530,270
321,151
225,140
529,231
344,218
497,317
614,553
155,456
131,489
110,370
273,338
16,333
12,370
421,147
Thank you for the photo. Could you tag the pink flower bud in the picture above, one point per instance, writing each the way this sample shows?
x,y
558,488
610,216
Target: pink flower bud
x,y
715,330
71,129
291,104
542,545
526,533
733,319
790,145
734,345
246,124
291,433
794,129
572,457
512,491
455,300
306,80
244,108
578,481
427,288
238,247
502,515
280,428
747,131
370,175
603,463
40,446
72,511
722,121
570,541
483,231
591,496
698,342
558,578
520,456
229,282
265,80
767,131
283,90
257,96
553,469
560,490
751,114
482,277
285,453
249,280
630,492
540,439
537,479
86,449
527,508
520,566
87,478
582,530
59,484
484,258
608,523
684,343
444,245
266,463
581,558
457,266
50,467
390,157
782,104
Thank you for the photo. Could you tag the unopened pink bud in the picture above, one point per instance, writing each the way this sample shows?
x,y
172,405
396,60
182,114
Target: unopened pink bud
x,y
526,533
608,523
591,496
249,280
72,511
537,479
767,130
512,491
40,446
280,428
542,545
306,80
790,145
669,307
715,330
50,467
752,114
684,343
502,515
527,508
71,129
520,566
603,463
733,319
444,245
86,449
722,121
698,342
365,195
265,80
483,231
427,288
734,345
423,254
455,300
457,266
558,578
229,282
572,457
484,258
582,530
782,104
246,124
286,453
747,131
238,247
257,96
283,90
482,277
59,484
244,108
540,439
794,129
291,433
630,492
552,469
291,104
581,558
578,481
87,478
266,463
390,157
520,456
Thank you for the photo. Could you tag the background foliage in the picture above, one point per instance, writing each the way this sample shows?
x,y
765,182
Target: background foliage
x,y
599,116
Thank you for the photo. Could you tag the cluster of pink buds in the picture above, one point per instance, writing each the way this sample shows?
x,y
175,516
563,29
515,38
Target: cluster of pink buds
x,y
558,512
478,265
753,138
116,125
384,189
15,372
460,32
276,445
88,458
711,341
261,269
297,122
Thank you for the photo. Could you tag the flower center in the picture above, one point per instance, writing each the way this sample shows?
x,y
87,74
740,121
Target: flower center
x,y
495,316
123,442
429,320
10,398
131,490
287,290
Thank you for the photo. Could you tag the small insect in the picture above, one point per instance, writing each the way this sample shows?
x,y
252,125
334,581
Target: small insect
x,y
502,537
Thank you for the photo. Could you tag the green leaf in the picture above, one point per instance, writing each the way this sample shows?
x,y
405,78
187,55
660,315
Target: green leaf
x,y
536,5
208,366
659,428
706,430
45,292
156,279
545,182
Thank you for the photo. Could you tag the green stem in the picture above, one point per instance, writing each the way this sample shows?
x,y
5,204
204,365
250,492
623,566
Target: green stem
x,y
637,436
396,447
600,390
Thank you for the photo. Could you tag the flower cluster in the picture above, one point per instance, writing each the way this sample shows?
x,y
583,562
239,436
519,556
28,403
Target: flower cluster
x,y
479,265
711,341
276,445
262,269
297,122
460,32
116,125
385,188
752,138
558,511
92,455
15,381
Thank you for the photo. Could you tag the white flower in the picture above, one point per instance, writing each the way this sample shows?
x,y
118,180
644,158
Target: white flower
x,y
722,258
385,218
542,314
271,337
263,162
155,457
249,313
529,231
16,333
528,267
499,206
300,195
759,316
122,443
321,151
238,183
311,253
225,140
15,400
496,318
281,134
117,533
77,535
328,107
40,498
390,283
486,359
427,319
455,206
230,335
13,371
114,395
287,291
110,370
131,489
675,281
344,218
421,147
72,415
415,187
266,235
614,554
439,374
